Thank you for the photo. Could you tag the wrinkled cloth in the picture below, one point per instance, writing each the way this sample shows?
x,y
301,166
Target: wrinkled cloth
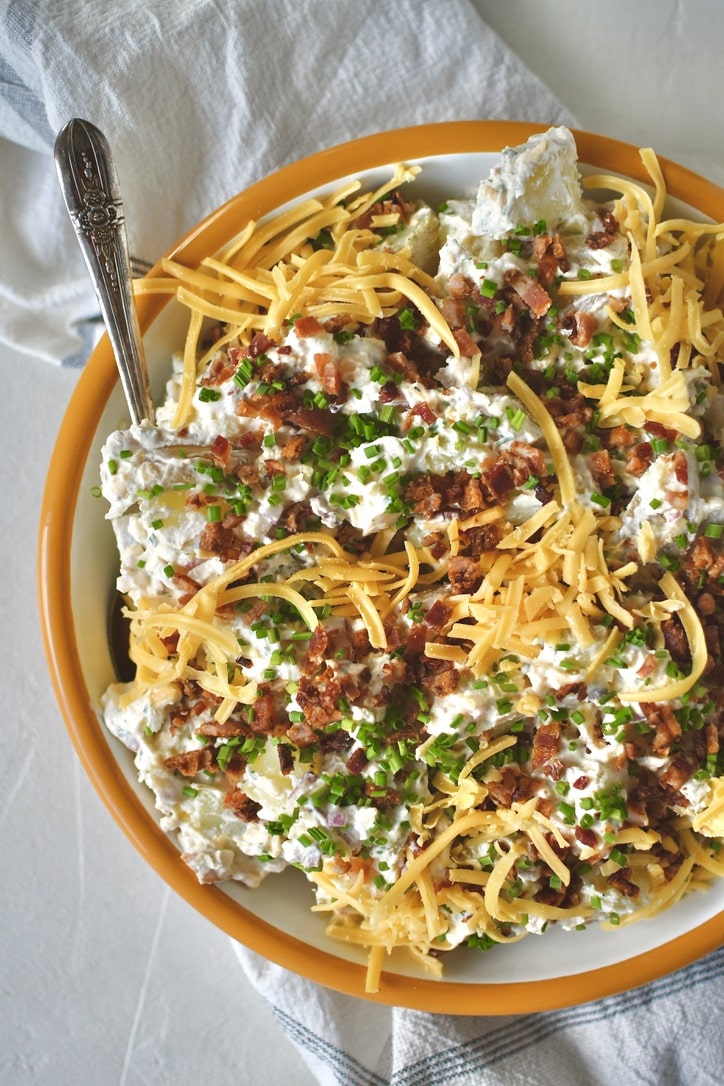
x,y
666,1033
200,98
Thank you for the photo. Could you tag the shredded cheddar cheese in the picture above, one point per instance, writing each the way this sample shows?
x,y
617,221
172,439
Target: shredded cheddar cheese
x,y
420,565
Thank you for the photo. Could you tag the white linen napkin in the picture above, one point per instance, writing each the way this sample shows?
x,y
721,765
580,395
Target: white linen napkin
x,y
662,1034
200,98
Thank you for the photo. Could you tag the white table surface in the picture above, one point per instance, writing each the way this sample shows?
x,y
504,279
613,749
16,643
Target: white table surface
x,y
106,977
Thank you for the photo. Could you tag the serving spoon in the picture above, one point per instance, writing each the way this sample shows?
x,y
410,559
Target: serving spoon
x,y
89,183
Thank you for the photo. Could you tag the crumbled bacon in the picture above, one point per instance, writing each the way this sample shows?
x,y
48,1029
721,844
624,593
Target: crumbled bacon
x,y
661,717
443,682
307,326
191,762
640,458
602,468
625,886
242,805
468,347
318,698
677,774
421,411
550,257
676,641
221,452
464,574
438,615
601,239
579,326
546,742
586,837
529,290
286,759
328,373
357,760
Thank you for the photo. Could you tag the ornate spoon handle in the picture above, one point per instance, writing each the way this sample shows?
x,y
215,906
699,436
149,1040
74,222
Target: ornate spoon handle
x,y
91,192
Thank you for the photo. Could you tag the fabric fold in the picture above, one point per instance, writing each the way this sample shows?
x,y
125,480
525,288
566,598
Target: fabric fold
x,y
199,99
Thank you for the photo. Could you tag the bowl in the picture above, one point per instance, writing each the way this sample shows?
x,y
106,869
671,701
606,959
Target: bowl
x,y
76,576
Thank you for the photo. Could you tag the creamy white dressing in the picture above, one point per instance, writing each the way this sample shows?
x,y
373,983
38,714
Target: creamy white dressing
x,y
166,492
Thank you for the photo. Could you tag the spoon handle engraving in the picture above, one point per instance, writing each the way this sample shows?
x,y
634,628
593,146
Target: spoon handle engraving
x,y
91,192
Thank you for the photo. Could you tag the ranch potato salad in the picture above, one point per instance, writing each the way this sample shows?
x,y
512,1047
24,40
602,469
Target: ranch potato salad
x,y
423,558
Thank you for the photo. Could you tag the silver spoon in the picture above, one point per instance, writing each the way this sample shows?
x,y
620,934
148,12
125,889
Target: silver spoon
x,y
92,195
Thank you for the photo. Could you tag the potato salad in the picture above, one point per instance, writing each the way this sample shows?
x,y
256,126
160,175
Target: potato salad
x,y
423,558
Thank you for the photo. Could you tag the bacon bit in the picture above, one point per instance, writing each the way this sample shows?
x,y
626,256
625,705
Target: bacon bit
x,y
380,798
242,805
480,540
318,644
312,419
286,759
550,256
581,782
226,730
251,439
712,739
266,720
454,311
602,468
171,642
259,345
661,717
416,640
647,667
421,411
640,458
318,698
182,580
579,689
357,760
601,239
307,326
221,452
438,616
473,499
293,447
328,373
659,430
624,886
586,837
569,410
681,466
391,204
677,774
192,762
221,369
545,743
400,363
706,604
529,291
302,734
498,481
464,574
441,683
579,326
459,286
676,641
618,437
466,343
